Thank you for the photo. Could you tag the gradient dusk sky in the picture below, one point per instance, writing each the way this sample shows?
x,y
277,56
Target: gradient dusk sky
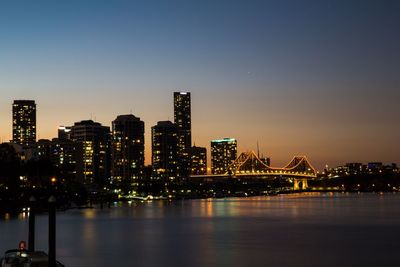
x,y
319,78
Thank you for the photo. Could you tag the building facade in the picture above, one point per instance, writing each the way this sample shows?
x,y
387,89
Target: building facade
x,y
92,142
24,122
198,160
127,152
183,121
223,153
64,133
64,156
42,149
165,150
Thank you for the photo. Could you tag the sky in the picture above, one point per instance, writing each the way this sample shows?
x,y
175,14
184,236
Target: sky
x,y
315,78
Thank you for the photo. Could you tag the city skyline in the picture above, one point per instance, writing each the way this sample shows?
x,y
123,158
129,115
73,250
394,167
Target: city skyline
x,y
61,131
318,80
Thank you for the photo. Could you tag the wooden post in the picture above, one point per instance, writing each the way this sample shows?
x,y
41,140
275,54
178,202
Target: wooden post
x,y
31,235
52,231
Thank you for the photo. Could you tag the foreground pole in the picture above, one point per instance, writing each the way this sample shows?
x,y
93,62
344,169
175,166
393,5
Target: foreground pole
x,y
52,231
31,235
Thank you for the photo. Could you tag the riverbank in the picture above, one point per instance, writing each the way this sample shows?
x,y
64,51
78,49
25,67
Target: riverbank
x,y
19,201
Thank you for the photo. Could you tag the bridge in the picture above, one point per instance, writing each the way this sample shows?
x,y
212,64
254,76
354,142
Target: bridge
x,y
249,165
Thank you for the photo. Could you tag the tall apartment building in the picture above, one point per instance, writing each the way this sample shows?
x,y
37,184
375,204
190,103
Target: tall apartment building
x,y
92,152
165,152
183,121
24,122
127,151
223,153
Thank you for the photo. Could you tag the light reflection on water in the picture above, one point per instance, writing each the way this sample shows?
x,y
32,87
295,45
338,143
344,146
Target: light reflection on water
x,y
288,230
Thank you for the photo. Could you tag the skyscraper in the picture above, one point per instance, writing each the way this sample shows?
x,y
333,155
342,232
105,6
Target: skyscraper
x,y
183,121
92,150
165,153
24,122
127,153
223,153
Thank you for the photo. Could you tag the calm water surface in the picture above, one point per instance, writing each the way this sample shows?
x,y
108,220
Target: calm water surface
x,y
291,230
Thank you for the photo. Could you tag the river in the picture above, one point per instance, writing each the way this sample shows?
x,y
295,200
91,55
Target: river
x,y
318,229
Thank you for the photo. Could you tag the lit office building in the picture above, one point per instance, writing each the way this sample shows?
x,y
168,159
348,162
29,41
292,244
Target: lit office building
x,y
92,150
24,122
182,119
198,160
127,151
223,153
165,155
63,155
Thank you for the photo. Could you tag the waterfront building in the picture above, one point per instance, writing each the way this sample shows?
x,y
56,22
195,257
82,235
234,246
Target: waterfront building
x,y
42,149
92,149
64,132
36,151
63,156
223,153
165,151
183,121
24,122
354,167
198,160
127,153
375,166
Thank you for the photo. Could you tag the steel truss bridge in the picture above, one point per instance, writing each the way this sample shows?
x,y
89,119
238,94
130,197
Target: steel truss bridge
x,y
249,165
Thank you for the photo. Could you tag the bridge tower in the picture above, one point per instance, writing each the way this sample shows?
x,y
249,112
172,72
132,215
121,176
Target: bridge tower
x,y
300,184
